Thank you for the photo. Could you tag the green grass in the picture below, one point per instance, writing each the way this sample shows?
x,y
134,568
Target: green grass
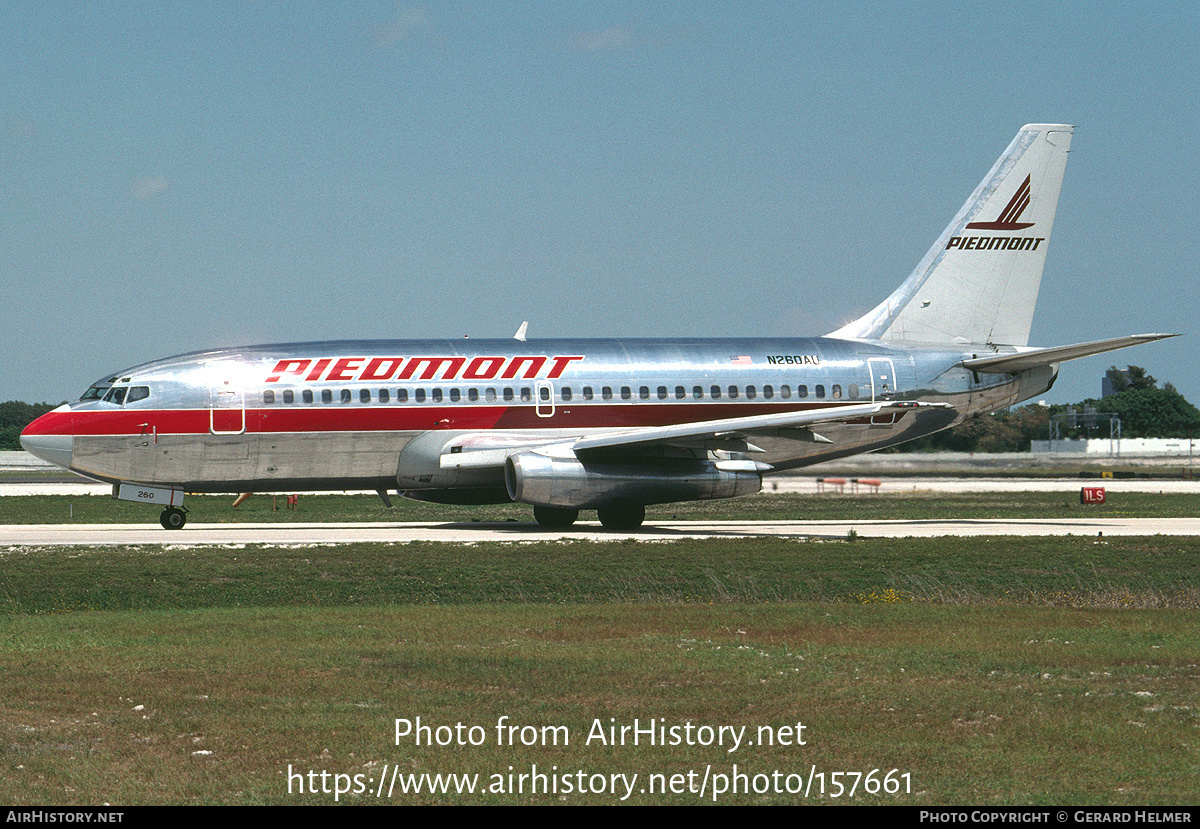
x,y
992,671
1069,572
987,706
100,509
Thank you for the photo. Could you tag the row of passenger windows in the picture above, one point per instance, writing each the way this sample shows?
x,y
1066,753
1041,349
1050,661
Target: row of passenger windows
x,y
566,394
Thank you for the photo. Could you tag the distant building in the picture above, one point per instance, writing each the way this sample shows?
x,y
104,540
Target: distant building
x,y
1118,448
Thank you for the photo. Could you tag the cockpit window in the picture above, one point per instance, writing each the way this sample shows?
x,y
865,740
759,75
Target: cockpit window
x,y
121,395
98,389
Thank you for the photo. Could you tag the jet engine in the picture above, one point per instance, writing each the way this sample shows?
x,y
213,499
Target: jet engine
x,y
568,482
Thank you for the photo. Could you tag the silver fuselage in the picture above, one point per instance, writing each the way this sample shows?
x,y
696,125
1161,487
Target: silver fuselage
x,y
380,414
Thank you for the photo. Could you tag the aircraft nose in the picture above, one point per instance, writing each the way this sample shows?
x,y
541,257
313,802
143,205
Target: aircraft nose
x,y
54,448
39,439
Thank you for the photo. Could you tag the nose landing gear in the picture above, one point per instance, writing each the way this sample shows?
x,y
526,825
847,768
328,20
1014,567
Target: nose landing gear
x,y
173,518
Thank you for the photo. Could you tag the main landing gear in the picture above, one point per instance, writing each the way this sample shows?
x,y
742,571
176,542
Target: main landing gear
x,y
173,518
619,515
555,518
622,515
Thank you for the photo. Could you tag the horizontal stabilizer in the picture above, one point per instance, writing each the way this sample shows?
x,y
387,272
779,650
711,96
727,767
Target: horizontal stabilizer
x,y
1022,360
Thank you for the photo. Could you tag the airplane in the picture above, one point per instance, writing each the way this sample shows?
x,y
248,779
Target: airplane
x,y
611,425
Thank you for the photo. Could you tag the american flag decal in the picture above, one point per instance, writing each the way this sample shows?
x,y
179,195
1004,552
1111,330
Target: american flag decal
x,y
741,361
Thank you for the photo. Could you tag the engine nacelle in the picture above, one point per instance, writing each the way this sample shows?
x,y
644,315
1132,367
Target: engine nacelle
x,y
541,480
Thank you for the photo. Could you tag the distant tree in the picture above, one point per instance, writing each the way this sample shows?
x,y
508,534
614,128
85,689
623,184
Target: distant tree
x,y
14,417
1150,412
1131,377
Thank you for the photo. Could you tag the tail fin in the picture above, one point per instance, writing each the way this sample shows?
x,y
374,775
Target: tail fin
x,y
979,282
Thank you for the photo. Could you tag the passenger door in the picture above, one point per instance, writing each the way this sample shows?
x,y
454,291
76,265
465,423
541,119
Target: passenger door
x,y
227,406
883,384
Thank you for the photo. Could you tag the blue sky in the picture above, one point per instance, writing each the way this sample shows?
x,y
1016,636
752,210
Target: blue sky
x,y
187,175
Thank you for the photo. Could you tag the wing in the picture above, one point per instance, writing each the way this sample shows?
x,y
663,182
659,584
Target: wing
x,y
732,434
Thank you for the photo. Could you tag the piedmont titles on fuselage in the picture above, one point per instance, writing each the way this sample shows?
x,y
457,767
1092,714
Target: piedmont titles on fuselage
x,y
387,369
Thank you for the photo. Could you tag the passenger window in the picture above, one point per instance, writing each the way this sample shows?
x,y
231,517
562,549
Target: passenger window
x,y
490,395
566,393
680,393
289,396
455,395
268,397
785,392
473,395
419,395
698,392
384,396
606,392
802,391
837,391
526,394
401,395
306,395
820,391
508,395
364,396
436,395
662,392
750,392
733,392
326,395
544,394
587,393
768,392
346,396
716,392
626,393
644,392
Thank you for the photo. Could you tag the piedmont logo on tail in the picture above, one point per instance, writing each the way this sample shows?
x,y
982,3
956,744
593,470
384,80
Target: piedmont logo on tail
x,y
1012,211
1007,221
604,425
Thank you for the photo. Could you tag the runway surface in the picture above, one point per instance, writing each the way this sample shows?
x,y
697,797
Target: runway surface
x,y
195,535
